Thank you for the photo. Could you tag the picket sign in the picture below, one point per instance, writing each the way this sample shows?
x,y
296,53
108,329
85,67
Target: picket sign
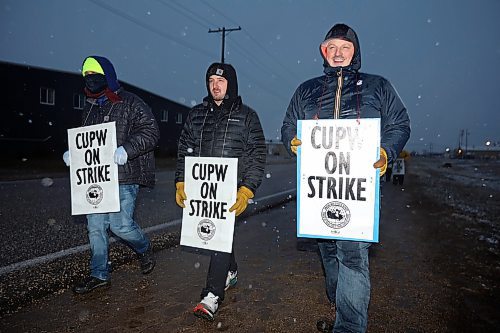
x,y
398,168
338,187
210,185
93,172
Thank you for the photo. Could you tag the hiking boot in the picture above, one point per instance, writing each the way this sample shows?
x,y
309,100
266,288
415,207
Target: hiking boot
x,y
207,308
147,261
90,283
232,279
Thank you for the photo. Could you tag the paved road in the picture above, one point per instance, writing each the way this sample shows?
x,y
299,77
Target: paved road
x,y
36,221
429,274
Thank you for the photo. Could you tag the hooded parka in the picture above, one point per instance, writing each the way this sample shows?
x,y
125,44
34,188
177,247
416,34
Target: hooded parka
x,y
229,130
136,127
346,93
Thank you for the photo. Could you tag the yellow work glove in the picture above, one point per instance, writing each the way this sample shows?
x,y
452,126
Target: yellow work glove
x,y
382,162
244,193
180,195
294,144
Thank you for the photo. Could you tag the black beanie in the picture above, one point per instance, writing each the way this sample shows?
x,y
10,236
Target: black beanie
x,y
229,73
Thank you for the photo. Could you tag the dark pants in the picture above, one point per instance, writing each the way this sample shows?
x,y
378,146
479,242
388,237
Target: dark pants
x,y
398,179
220,264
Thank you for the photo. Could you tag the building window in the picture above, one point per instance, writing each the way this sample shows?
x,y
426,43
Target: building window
x,y
47,96
179,118
164,116
78,101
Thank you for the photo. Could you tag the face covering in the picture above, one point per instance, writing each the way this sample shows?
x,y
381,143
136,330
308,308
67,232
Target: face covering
x,y
95,83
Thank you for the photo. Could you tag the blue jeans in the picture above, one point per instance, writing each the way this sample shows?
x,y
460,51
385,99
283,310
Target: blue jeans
x,y
122,224
347,282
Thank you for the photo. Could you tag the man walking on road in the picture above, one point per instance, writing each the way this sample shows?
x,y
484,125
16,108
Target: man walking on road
x,y
137,135
345,93
222,126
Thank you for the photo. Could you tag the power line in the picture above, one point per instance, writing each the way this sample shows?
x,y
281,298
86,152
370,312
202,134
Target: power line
x,y
130,18
198,19
278,61
191,16
224,30
150,28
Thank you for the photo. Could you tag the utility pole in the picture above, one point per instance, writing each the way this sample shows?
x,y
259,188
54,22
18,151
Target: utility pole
x,y
224,31
460,138
466,137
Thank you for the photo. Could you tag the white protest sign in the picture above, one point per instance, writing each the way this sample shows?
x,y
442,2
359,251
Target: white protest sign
x,y
93,172
210,185
338,187
399,167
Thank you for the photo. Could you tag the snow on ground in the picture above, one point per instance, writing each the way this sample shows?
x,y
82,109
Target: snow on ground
x,y
470,187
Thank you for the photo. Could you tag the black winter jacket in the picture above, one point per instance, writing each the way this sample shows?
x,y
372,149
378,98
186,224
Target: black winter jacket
x,y
136,130
211,132
359,95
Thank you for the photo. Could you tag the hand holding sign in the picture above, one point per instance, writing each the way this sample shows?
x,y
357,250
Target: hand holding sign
x,y
294,144
242,197
180,195
382,162
66,158
120,156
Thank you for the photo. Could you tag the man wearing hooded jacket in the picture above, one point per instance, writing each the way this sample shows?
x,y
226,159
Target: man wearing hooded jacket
x,y
345,93
137,134
222,127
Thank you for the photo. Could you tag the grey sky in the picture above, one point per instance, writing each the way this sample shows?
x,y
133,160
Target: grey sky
x,y
442,56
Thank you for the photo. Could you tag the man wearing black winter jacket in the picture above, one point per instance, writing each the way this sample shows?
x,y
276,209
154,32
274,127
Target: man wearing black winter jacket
x,y
222,127
343,93
137,134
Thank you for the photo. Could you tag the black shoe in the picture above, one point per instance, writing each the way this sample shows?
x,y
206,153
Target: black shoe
x,y
147,261
324,326
90,283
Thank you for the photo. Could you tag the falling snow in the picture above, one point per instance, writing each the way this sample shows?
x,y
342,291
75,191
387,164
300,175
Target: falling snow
x,y
47,182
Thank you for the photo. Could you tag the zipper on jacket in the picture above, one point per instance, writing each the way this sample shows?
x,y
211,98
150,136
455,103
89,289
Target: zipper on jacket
x,y
338,94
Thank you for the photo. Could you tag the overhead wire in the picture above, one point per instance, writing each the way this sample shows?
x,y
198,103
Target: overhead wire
x,y
128,17
278,61
192,16
198,19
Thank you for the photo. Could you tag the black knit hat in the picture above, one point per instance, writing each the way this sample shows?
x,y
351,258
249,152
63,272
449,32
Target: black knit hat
x,y
343,31
229,73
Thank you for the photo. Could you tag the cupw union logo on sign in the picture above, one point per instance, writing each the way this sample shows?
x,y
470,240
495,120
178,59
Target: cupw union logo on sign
x,y
336,215
338,188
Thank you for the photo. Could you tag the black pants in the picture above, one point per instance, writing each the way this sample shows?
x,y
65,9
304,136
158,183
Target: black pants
x,y
220,264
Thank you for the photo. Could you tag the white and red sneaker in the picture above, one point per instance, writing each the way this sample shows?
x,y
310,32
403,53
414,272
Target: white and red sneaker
x,y
207,308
